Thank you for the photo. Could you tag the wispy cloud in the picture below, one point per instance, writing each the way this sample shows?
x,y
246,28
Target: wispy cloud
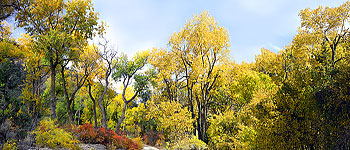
x,y
139,25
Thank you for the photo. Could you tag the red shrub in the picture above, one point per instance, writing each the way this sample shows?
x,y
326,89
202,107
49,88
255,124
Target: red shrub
x,y
86,133
123,142
104,136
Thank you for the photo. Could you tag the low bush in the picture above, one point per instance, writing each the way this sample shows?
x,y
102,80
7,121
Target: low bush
x,y
48,134
86,133
105,136
138,141
189,143
10,145
112,140
153,138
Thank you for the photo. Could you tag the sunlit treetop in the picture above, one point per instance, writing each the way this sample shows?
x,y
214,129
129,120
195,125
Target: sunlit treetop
x,y
70,16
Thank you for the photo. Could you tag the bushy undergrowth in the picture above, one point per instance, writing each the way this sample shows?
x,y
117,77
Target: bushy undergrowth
x,y
10,145
48,134
87,134
153,138
189,143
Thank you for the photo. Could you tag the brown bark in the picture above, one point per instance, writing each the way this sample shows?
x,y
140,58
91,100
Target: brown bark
x,y
103,111
94,105
53,90
122,117
99,101
126,102
70,119
70,100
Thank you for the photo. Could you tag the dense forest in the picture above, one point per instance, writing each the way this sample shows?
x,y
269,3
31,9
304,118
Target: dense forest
x,y
58,86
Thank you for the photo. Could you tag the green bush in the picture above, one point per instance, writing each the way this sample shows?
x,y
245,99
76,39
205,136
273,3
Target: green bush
x,y
48,134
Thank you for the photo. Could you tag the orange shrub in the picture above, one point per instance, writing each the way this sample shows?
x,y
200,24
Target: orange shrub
x,y
86,133
104,136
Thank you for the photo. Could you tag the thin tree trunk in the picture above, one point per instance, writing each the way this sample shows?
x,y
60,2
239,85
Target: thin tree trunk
x,y
122,117
70,118
69,102
94,105
102,108
72,108
53,91
126,102
95,115
193,116
104,118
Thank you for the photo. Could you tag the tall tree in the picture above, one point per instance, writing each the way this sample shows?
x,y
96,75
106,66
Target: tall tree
x,y
199,47
311,72
57,27
8,8
77,75
108,58
126,71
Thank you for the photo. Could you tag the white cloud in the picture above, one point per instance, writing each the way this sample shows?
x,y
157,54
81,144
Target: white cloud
x,y
139,25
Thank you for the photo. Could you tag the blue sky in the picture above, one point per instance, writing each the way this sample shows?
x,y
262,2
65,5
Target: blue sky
x,y
136,25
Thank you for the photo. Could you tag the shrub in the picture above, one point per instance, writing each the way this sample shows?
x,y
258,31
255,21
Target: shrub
x,y
222,130
189,143
86,133
10,145
122,142
104,136
6,131
138,142
49,135
171,118
153,138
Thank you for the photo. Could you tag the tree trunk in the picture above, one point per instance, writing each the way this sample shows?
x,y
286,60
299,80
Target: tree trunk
x,y
72,108
122,117
193,117
202,121
104,118
70,118
95,116
199,125
126,102
94,105
69,102
102,108
202,128
53,91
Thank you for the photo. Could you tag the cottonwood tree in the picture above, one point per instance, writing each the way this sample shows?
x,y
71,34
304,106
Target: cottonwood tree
x,y
197,49
77,75
127,72
57,27
108,58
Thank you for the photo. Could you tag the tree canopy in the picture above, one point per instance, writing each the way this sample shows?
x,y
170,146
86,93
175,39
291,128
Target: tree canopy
x,y
55,82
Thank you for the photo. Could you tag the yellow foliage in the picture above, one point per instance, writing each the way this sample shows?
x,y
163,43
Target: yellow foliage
x,y
138,142
189,143
48,134
10,145
173,120
8,47
134,117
